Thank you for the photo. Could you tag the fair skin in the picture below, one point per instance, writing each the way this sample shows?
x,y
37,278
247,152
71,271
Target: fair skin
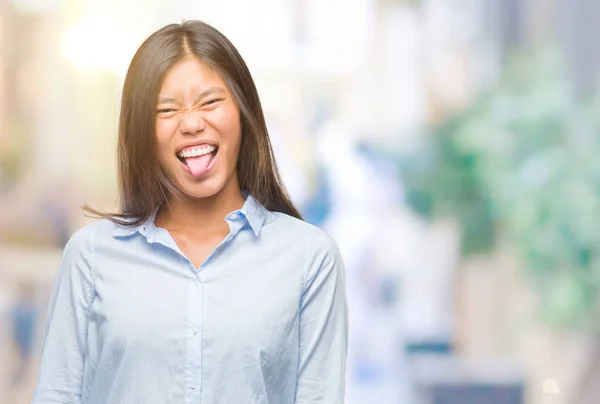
x,y
196,113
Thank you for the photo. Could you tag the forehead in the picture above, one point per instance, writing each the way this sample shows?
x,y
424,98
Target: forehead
x,y
188,76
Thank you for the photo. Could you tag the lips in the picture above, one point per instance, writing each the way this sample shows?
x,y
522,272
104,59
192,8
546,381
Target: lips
x,y
196,151
198,159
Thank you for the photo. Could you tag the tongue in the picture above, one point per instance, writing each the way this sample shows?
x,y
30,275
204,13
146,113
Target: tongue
x,y
198,165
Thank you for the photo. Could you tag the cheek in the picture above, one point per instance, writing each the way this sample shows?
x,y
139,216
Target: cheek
x,y
163,141
164,131
233,144
231,132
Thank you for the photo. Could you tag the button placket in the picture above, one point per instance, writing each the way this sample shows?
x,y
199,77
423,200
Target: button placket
x,y
194,338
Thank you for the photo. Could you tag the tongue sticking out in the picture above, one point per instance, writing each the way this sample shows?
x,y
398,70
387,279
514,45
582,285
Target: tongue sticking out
x,y
199,165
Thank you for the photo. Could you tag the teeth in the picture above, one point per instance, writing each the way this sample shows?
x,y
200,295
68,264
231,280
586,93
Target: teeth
x,y
196,151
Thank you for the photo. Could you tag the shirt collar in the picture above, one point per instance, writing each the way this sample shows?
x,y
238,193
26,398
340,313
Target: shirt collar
x,y
252,211
255,214
143,228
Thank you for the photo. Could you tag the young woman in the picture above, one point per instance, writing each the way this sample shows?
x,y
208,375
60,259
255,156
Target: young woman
x,y
207,287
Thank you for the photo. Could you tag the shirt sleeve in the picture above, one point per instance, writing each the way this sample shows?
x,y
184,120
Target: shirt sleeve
x,y
65,331
323,339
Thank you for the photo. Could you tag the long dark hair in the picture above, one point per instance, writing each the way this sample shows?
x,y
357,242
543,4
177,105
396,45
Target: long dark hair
x,y
143,185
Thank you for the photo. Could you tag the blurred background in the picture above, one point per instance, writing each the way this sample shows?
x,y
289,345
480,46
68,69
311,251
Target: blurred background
x,y
447,145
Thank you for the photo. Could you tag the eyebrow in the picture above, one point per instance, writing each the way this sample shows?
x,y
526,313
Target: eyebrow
x,y
203,94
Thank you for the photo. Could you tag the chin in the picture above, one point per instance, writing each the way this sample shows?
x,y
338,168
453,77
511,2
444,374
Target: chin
x,y
206,188
200,191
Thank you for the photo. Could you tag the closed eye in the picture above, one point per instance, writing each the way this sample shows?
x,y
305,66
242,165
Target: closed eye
x,y
212,102
166,110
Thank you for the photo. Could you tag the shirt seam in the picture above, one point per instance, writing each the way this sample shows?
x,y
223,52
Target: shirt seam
x,y
201,326
92,296
304,283
92,268
306,263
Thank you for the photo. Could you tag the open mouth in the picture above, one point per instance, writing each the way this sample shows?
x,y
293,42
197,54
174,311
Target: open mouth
x,y
198,159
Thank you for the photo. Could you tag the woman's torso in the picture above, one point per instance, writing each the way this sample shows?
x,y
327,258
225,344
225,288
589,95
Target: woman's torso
x,y
162,331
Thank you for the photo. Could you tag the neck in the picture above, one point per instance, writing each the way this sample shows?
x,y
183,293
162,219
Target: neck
x,y
200,216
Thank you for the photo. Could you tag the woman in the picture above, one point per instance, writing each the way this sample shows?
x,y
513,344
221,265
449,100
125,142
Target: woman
x,y
207,287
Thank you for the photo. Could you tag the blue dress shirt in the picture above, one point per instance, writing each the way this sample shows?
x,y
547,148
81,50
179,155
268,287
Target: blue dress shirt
x,y
132,321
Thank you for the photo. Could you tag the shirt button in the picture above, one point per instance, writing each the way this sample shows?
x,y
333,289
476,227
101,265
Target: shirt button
x,y
193,386
233,216
194,331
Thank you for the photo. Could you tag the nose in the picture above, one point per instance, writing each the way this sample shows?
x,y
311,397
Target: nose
x,y
192,122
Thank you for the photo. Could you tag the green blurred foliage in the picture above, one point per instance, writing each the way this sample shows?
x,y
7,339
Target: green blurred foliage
x,y
522,163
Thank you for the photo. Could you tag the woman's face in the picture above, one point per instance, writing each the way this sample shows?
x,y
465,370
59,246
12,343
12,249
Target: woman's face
x,y
198,130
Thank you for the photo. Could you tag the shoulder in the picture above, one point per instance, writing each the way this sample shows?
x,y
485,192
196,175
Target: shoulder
x,y
82,241
322,250
318,244
284,225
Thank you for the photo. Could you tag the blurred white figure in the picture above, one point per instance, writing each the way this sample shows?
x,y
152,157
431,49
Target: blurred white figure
x,y
360,199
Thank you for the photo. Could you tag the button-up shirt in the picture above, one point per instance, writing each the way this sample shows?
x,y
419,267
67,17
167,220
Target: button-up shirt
x,y
262,320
